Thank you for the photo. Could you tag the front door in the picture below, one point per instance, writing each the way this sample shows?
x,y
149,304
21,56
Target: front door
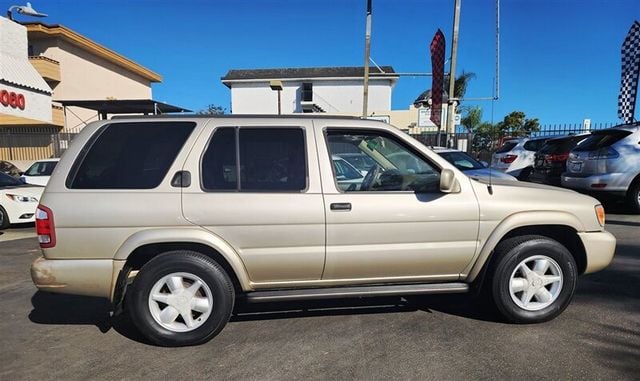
x,y
395,225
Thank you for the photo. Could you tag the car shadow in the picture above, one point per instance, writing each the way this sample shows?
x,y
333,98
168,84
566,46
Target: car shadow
x,y
86,310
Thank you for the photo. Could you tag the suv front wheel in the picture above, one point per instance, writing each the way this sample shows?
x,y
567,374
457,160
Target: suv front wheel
x,y
534,279
180,298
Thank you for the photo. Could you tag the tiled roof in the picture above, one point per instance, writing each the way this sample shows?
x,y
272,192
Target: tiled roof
x,y
305,72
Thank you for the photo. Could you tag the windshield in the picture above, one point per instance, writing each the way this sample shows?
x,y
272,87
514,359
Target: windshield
x,y
344,171
41,168
7,181
507,146
601,139
360,161
461,160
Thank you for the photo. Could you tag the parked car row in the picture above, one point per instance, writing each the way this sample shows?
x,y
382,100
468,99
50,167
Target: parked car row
x,y
604,162
21,191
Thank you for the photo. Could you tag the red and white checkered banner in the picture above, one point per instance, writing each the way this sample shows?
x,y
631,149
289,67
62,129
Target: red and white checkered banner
x,y
630,70
437,77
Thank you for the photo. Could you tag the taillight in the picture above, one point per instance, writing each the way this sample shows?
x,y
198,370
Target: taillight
x,y
557,157
45,229
508,159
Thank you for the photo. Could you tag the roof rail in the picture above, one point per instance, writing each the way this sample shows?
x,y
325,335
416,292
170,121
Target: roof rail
x,y
229,116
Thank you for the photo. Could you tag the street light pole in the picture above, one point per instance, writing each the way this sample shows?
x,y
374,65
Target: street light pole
x,y
367,52
451,104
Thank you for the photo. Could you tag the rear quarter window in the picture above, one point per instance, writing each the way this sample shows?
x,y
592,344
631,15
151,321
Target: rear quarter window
x,y
507,146
129,155
601,139
534,145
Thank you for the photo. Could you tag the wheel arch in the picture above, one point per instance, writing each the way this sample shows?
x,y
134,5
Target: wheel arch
x,y
145,245
559,226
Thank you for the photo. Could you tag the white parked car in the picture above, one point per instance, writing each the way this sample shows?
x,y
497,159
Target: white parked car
x,y
470,166
516,156
18,201
39,172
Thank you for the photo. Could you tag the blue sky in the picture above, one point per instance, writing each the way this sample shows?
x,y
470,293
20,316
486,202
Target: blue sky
x,y
560,59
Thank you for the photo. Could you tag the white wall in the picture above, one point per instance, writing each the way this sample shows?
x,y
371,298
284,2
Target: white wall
x,y
334,96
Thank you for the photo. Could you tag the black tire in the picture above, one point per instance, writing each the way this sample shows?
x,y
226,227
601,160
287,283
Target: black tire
x,y
509,254
633,196
4,219
210,272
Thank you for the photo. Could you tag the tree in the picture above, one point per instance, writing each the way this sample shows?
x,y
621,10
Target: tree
x,y
459,90
213,109
516,124
472,119
460,84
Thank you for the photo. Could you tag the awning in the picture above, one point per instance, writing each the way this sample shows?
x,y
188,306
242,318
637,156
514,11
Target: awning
x,y
124,106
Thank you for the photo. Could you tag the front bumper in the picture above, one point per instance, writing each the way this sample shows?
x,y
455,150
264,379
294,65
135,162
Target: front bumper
x,y
599,248
90,277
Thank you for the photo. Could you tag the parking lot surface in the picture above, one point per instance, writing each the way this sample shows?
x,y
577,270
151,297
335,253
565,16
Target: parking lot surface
x,y
47,336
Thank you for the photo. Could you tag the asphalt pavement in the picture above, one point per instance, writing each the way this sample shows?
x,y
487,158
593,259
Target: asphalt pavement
x,y
47,336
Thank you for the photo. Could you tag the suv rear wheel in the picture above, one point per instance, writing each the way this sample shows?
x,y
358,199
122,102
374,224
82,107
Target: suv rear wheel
x,y
180,298
534,279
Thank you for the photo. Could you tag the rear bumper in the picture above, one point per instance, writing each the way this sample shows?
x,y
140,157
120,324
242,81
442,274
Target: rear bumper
x,y
616,182
599,248
90,277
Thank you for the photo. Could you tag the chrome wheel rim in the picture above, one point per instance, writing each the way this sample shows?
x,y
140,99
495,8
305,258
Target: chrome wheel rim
x,y
180,302
535,283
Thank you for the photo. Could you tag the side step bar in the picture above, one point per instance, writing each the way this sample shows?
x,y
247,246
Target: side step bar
x,y
355,292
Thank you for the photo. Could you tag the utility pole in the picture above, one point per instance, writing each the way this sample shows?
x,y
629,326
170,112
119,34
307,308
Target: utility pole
x,y
451,105
367,52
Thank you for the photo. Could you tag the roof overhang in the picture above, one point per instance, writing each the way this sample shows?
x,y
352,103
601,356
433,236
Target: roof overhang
x,y
391,78
124,106
40,30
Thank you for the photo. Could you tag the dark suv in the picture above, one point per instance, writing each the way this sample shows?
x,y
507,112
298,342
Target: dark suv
x,y
551,160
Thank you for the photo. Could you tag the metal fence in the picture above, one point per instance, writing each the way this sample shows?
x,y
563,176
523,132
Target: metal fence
x,y
33,143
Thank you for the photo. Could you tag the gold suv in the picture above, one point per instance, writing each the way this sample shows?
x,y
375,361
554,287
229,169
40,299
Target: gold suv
x,y
174,218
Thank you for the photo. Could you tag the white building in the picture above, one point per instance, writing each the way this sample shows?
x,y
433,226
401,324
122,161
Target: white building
x,y
334,90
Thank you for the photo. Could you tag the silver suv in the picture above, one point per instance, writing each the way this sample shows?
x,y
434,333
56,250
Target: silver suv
x,y
174,219
607,162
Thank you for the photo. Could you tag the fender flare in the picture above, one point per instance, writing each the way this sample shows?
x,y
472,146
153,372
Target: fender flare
x,y
514,221
188,235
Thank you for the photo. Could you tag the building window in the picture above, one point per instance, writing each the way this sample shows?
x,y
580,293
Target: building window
x,y
307,92
30,51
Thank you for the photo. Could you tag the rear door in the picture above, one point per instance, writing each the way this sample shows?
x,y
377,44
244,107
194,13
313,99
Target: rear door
x,y
256,185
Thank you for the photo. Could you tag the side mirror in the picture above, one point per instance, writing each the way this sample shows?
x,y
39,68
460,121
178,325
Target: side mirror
x,y
484,163
448,182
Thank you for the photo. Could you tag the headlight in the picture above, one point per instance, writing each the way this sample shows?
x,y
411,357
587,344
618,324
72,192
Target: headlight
x,y
600,214
20,198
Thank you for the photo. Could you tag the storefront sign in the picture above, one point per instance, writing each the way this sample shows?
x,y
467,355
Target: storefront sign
x,y
12,99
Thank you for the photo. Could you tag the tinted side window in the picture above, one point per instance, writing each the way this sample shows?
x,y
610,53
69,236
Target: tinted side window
x,y
270,159
506,147
534,145
219,170
130,155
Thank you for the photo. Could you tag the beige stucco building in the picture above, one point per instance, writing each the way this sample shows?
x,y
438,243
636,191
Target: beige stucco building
x,y
74,68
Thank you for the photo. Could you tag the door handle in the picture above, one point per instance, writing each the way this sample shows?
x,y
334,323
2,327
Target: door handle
x,y
341,206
